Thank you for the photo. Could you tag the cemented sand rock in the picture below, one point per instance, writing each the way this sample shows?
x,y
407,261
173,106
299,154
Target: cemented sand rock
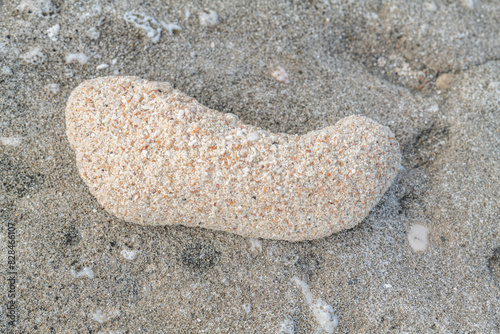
x,y
152,155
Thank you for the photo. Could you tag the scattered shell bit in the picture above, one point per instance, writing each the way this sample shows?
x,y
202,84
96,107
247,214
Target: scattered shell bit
x,y
93,33
175,161
34,56
53,31
279,74
87,271
149,24
129,254
11,141
78,57
209,18
171,27
102,67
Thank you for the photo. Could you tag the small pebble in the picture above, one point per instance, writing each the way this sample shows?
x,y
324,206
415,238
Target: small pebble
x,y
102,67
444,81
417,237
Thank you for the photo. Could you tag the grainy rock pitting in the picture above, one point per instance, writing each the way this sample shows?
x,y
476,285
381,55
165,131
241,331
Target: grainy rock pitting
x,y
152,155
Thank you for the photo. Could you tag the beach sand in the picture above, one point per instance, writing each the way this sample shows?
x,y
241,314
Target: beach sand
x,y
425,260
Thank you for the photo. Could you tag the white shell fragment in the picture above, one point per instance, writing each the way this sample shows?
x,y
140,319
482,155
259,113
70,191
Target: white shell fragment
x,y
417,237
209,18
78,57
102,67
11,141
171,27
205,168
149,24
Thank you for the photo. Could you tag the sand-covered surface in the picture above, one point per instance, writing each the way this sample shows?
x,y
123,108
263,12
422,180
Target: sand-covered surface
x,y
425,260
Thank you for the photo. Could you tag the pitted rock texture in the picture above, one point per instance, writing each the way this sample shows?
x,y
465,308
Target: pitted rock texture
x,y
154,156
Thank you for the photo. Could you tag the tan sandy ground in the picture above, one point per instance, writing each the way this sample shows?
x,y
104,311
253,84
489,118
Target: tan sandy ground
x,y
81,269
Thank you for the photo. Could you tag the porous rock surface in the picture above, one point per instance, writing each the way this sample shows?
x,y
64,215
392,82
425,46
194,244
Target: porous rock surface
x,y
152,155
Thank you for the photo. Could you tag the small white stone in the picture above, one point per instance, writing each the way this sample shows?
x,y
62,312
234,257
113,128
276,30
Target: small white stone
x,y
102,67
417,237
232,118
